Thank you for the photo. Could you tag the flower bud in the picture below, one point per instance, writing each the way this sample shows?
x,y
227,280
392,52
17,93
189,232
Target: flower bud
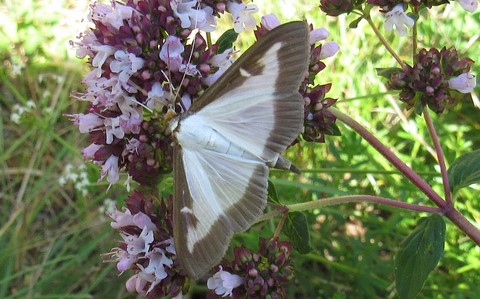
x,y
336,7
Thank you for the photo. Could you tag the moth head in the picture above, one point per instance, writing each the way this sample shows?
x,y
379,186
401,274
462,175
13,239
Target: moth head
x,y
170,114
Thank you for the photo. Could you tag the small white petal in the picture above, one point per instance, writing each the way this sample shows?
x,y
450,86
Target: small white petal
x,y
399,19
464,83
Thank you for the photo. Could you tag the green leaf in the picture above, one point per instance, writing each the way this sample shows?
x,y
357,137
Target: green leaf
x,y
386,72
334,130
418,106
354,24
419,255
272,193
464,171
296,229
226,41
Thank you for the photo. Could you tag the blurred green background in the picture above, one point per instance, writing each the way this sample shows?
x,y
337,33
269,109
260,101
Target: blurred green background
x,y
52,224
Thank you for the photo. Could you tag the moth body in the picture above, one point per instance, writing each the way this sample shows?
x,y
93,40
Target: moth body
x,y
225,142
193,133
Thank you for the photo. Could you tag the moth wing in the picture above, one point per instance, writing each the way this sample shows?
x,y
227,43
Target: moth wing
x,y
216,195
256,104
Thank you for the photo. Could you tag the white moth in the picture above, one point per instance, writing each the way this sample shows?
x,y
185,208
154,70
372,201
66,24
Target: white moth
x,y
227,140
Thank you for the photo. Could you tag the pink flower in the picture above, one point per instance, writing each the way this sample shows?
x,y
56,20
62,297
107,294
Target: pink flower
x,y
136,284
171,52
189,69
157,97
121,219
157,264
112,16
270,21
192,16
110,168
125,65
469,5
222,62
317,35
131,124
328,50
141,220
125,260
398,18
224,282
87,122
133,145
138,244
242,15
465,83
112,127
89,151
129,106
102,53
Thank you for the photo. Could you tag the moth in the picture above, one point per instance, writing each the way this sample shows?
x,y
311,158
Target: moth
x,y
228,139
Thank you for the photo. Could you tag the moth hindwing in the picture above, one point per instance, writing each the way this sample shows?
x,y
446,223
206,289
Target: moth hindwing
x,y
225,141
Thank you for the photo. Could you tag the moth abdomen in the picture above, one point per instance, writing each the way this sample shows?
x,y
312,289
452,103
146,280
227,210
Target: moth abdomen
x,y
194,134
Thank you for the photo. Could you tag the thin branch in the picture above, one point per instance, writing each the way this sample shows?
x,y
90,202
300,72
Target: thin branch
x,y
390,156
315,204
384,41
440,156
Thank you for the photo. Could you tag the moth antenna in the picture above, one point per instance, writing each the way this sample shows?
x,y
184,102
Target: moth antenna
x,y
171,89
143,91
188,60
143,105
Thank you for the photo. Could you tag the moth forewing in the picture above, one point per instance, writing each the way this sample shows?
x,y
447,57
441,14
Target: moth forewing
x,y
230,134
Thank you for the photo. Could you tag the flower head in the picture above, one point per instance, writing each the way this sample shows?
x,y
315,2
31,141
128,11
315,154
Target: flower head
x,y
147,247
336,7
432,78
256,275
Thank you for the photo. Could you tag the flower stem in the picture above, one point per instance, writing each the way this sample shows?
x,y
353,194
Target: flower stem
x,y
461,222
383,40
382,149
447,209
280,225
440,156
315,204
414,35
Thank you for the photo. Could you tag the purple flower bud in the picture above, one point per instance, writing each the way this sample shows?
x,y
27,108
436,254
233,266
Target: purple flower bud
x,y
253,273
336,7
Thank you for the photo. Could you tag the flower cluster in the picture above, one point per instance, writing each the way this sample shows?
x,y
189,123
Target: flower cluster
x,y
150,61
149,64
434,80
256,275
142,67
147,248
337,7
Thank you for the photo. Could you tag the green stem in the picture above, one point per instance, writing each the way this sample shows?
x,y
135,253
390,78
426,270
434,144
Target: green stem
x,y
384,41
280,225
324,202
440,156
414,35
